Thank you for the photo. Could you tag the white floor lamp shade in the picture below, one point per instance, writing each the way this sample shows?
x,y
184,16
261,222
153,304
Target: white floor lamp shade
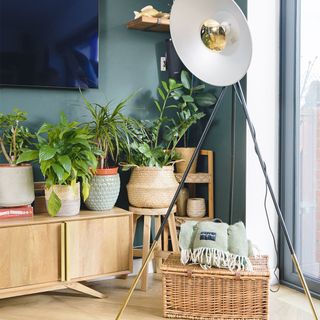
x,y
218,68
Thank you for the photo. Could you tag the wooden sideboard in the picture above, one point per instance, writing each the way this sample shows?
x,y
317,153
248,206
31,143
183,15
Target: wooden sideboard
x,y
43,254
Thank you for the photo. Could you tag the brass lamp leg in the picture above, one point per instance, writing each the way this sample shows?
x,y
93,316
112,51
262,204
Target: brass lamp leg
x,y
136,280
304,285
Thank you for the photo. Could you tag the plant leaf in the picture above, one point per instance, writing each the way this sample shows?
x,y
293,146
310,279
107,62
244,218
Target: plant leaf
x,y
165,86
54,204
85,190
199,87
59,171
185,79
172,84
65,161
46,152
44,128
157,105
28,155
205,99
187,98
161,94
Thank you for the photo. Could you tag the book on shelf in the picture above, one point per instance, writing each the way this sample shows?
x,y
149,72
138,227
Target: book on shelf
x,y
16,212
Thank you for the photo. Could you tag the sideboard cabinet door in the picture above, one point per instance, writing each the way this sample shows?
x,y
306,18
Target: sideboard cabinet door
x,y
30,255
98,247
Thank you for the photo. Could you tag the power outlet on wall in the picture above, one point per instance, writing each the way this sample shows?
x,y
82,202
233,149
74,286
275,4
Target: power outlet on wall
x,y
163,63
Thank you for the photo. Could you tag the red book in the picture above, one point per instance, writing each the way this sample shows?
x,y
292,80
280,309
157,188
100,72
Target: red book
x,y
16,212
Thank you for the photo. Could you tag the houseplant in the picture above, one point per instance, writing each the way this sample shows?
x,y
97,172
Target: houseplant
x,y
16,181
189,98
153,148
66,157
110,134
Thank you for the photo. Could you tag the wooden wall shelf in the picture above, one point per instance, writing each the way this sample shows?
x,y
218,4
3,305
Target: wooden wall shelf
x,y
150,24
200,177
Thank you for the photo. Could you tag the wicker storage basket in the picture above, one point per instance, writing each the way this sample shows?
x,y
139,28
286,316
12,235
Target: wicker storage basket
x,y
189,292
151,187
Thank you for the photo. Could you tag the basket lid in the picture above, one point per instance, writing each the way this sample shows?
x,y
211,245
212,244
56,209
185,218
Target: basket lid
x,y
259,263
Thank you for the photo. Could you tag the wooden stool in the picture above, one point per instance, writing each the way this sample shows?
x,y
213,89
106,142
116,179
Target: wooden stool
x,y
159,254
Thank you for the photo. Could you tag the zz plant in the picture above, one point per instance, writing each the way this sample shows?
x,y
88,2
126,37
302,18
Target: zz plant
x,y
154,141
65,155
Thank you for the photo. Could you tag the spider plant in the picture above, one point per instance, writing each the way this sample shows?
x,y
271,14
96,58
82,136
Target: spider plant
x,y
109,128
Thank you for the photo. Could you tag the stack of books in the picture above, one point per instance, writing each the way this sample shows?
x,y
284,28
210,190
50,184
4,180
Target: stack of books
x,y
16,212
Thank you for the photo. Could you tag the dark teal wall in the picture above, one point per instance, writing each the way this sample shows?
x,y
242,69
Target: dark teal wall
x,y
129,60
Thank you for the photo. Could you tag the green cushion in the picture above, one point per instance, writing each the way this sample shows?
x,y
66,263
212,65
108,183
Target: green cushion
x,y
211,235
237,239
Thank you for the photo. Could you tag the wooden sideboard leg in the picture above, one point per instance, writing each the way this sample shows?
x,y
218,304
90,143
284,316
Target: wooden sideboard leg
x,y
122,277
84,289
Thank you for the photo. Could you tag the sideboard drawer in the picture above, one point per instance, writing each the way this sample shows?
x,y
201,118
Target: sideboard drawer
x,y
30,255
98,247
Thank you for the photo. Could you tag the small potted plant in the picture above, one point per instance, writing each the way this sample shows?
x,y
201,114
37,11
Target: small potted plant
x,y
16,181
109,129
189,98
66,157
153,149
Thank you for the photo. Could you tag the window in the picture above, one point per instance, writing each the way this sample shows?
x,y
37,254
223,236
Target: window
x,y
300,138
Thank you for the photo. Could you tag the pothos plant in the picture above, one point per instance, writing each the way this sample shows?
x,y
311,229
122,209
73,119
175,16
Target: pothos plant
x,y
13,135
65,155
154,141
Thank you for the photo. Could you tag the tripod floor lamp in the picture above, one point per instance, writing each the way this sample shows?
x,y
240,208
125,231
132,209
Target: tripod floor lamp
x,y
213,40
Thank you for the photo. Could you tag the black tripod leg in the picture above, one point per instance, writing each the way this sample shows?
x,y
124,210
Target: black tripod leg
x,y
173,201
243,102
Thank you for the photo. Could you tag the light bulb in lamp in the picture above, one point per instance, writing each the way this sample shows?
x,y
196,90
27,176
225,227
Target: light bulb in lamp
x,y
214,34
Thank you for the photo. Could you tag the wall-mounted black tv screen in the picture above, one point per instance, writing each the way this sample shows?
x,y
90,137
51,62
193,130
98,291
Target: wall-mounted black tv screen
x,y
49,43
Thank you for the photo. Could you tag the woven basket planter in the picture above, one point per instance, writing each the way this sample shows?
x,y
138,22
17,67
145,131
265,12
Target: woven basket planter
x,y
151,187
186,155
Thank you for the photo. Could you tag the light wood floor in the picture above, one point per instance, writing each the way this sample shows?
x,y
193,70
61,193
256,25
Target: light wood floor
x,y
67,305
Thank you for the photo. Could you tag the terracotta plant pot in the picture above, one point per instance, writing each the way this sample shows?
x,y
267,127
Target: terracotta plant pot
x,y
16,185
186,154
104,190
151,187
70,199
106,171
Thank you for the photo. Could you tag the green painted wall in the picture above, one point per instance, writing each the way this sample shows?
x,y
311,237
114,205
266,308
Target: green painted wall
x,y
129,60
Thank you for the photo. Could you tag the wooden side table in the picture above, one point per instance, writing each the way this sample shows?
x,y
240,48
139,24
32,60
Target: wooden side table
x,y
159,254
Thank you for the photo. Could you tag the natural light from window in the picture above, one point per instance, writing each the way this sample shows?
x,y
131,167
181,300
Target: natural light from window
x,y
307,239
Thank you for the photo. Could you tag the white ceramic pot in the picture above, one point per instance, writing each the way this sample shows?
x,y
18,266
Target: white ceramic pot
x,y
151,187
16,185
70,199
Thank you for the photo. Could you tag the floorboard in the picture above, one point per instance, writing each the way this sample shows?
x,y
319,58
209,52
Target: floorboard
x,y
69,305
